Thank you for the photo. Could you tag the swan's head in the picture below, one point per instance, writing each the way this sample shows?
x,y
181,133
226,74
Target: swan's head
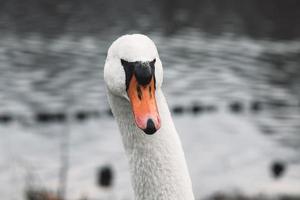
x,y
133,71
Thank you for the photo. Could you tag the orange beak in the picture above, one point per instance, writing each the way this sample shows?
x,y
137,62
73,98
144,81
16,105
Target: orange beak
x,y
143,104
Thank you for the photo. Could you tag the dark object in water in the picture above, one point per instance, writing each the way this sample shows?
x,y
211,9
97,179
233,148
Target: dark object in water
x,y
81,115
196,108
5,118
33,194
256,106
278,168
105,176
236,107
44,117
177,110
60,117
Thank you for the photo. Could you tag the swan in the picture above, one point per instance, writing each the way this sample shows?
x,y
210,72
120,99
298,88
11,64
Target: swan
x,y
133,75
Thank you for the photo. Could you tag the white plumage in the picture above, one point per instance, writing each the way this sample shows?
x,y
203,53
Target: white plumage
x,y
157,162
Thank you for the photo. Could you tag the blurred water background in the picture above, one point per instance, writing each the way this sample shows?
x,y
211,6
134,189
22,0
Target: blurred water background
x,y
231,77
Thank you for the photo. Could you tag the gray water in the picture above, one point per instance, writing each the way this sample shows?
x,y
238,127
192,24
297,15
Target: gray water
x,y
65,75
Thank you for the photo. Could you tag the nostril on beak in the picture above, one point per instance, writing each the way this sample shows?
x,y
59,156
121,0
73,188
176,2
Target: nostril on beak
x,y
150,129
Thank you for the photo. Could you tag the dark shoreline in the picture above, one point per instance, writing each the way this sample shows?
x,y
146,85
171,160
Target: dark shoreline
x,y
275,19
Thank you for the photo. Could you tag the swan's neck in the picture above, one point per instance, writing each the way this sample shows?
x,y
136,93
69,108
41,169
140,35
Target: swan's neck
x,y
157,162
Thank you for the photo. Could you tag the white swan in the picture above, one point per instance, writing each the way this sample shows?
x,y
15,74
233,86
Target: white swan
x,y
133,75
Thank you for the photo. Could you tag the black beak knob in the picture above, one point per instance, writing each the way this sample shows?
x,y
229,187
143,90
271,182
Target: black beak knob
x,y
143,73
